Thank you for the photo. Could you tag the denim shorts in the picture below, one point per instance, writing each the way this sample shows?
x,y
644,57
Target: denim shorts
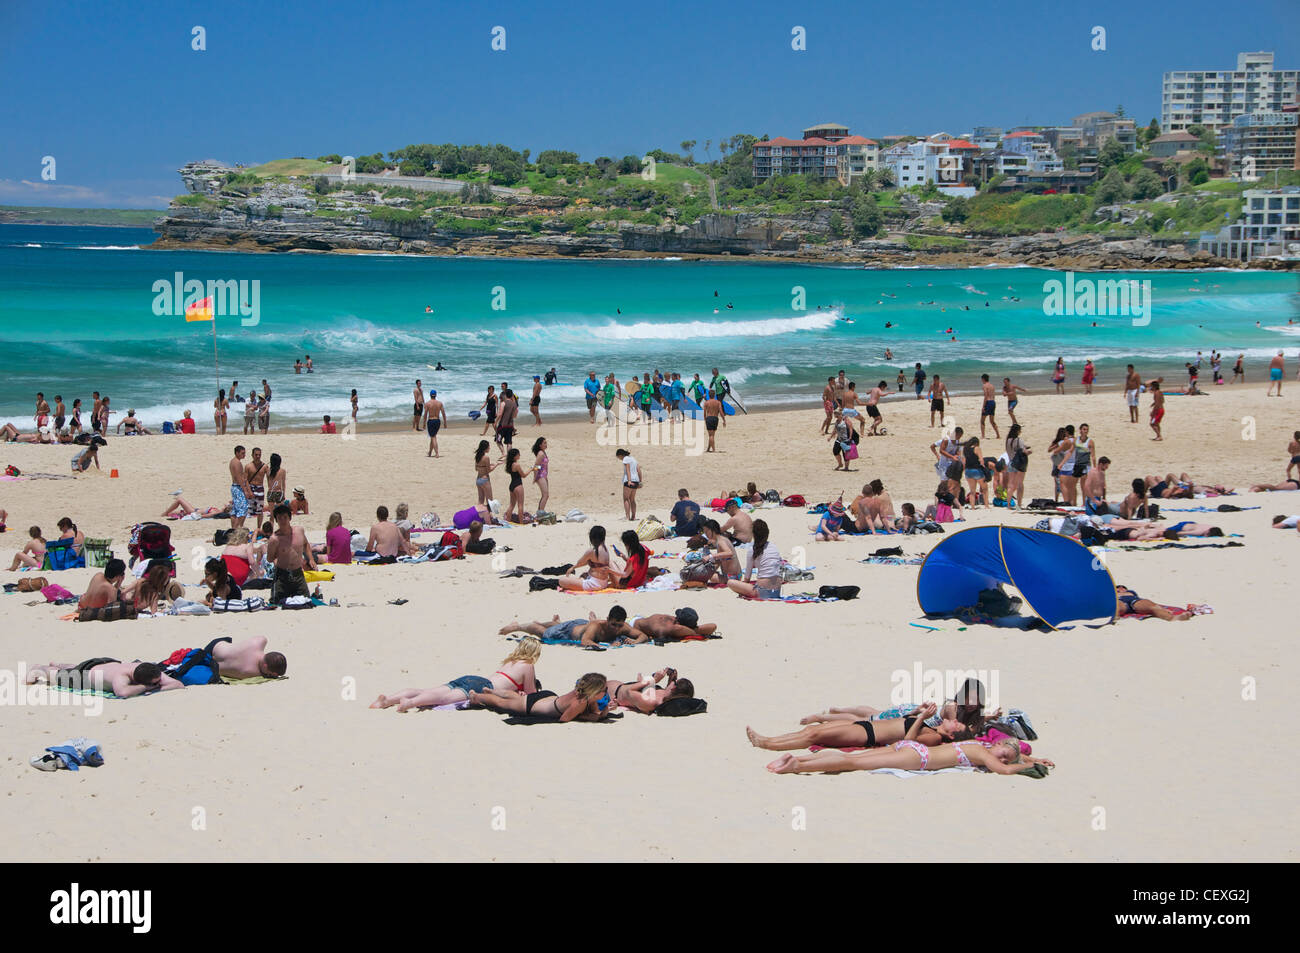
x,y
471,683
974,473
767,593
563,630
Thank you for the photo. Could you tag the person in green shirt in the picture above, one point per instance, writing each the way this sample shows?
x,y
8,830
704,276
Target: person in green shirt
x,y
697,390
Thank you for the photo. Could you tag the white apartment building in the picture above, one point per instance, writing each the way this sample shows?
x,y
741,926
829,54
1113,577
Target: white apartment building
x,y
1269,227
1035,148
924,161
1214,98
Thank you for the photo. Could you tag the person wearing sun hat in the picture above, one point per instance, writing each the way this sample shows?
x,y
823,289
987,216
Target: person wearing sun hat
x,y
298,505
828,528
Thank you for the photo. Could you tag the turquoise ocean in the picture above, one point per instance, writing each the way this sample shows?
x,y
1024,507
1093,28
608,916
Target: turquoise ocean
x,y
77,314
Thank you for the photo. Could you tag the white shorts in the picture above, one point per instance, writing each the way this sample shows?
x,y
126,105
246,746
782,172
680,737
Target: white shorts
x,y
1132,397
592,583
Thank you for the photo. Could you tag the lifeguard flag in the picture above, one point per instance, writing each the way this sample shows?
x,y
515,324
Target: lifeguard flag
x,y
200,310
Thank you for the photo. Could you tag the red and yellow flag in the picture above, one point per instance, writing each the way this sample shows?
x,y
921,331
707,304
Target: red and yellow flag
x,y
200,310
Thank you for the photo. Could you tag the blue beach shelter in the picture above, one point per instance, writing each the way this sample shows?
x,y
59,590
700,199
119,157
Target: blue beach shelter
x,y
1059,578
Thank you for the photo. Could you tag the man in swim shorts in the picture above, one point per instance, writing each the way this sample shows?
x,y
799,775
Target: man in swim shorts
x,y
123,679
289,552
435,416
1276,370
590,388
990,406
938,394
588,631
873,411
418,412
1132,387
712,413
240,492
535,405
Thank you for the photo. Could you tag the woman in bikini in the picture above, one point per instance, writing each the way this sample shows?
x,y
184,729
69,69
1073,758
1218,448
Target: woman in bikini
x,y
1058,376
1129,602
241,556
589,701
840,733
599,573
515,509
275,483
75,426
541,473
483,467
645,695
517,675
724,557
909,754
220,407
1062,454
33,554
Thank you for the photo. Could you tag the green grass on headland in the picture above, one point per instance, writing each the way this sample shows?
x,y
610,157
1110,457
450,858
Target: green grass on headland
x,y
289,167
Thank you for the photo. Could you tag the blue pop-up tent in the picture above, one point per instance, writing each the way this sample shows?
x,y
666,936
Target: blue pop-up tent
x,y
1059,578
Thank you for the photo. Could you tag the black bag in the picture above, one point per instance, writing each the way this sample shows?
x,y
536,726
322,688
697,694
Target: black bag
x,y
1229,508
772,496
838,592
541,582
220,537
688,617
1020,462
889,551
677,707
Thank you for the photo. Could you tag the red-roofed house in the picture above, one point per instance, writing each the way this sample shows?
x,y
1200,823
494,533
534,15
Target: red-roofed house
x,y
826,151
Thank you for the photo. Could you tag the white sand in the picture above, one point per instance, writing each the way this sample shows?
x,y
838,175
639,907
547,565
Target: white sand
x,y
1145,719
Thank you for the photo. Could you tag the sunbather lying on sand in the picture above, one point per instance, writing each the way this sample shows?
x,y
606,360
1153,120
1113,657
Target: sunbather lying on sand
x,y
123,679
645,695
662,627
589,631
589,701
864,734
1131,603
516,675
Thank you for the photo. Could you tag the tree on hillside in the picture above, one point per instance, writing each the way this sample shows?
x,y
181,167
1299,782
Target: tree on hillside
x,y
708,144
837,225
957,210
1147,185
885,177
1153,129
1111,154
1196,172
1119,111
866,216
688,147
1112,190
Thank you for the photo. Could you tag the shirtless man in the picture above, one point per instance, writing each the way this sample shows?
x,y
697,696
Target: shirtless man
x,y
662,627
42,409
125,679
535,403
264,408
255,473
94,411
1276,371
60,413
289,551
713,412
841,385
248,659
590,631
1009,392
1132,388
105,587
873,410
241,494
989,407
435,416
938,394
418,413
1157,408
739,526
850,400
1134,505
1094,491
386,538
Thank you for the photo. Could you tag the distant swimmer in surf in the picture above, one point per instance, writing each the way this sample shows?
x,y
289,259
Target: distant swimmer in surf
x,y
440,367
730,305
428,309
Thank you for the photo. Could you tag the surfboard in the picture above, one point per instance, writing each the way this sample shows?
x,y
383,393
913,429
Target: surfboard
x,y
632,387
728,409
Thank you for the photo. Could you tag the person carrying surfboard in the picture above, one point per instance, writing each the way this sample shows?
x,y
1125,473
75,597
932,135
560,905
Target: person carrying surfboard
x,y
722,388
697,390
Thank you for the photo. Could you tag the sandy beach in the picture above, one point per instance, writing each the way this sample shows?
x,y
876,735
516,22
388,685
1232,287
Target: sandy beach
x,y
1159,755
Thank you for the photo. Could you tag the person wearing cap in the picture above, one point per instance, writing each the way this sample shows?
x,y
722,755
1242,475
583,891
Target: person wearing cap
x,y
435,415
535,405
828,528
133,425
298,505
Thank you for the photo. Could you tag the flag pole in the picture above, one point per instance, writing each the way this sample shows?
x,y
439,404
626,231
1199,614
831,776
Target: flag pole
x,y
216,364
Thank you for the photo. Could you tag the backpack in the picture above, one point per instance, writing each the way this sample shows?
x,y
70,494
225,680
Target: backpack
x,y
794,499
771,496
198,667
168,427
650,528
687,617
452,538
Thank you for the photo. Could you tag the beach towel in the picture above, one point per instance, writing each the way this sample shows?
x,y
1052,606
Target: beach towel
x,y
1170,544
1221,508
893,560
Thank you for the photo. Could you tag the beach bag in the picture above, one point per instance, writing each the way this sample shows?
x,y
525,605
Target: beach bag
x,y
794,499
109,613
1020,461
32,584
246,604
544,518
318,575
451,538
838,592
700,571
428,520
852,452
650,528
687,617
12,470
771,496
679,707
55,592
943,513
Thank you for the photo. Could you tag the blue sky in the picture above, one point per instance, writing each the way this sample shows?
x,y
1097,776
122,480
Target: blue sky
x,y
113,91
